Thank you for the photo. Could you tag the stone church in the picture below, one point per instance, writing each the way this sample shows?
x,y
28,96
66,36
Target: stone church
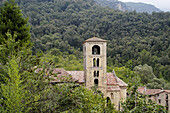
x,y
95,72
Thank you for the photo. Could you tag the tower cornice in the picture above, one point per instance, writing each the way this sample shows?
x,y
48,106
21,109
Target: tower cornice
x,y
94,39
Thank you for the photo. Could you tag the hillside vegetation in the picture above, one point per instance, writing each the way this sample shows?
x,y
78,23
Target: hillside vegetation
x,y
59,27
28,78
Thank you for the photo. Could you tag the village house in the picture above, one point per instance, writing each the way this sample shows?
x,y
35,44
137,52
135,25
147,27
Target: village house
x,y
160,96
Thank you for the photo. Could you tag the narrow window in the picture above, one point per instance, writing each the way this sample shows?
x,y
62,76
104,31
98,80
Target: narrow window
x,y
159,101
166,102
97,73
167,108
166,96
94,73
96,82
167,105
95,50
112,96
98,62
94,62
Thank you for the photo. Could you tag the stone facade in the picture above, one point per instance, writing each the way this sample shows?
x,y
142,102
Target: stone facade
x,y
95,64
95,71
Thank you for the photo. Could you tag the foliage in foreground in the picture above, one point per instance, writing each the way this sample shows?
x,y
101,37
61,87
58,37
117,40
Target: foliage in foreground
x,y
13,93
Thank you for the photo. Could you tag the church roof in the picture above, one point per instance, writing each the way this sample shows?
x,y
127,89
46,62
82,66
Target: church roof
x,y
77,75
94,39
112,79
61,75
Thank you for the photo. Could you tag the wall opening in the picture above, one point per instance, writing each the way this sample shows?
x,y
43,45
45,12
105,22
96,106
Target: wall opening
x,y
95,50
166,96
97,73
112,97
108,101
96,81
97,62
94,62
159,100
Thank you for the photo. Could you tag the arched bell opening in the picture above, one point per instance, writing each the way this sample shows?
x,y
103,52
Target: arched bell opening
x,y
96,81
95,50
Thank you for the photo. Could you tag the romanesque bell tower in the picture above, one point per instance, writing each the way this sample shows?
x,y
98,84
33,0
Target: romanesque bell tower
x,y
95,63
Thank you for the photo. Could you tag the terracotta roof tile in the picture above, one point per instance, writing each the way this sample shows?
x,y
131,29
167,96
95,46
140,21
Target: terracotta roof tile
x,y
61,75
152,91
111,79
121,82
145,91
77,75
168,91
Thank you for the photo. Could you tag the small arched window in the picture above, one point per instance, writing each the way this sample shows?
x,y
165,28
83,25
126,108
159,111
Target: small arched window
x,y
96,82
95,50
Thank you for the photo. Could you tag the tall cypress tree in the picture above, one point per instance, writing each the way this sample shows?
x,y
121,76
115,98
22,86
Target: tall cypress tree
x,y
12,22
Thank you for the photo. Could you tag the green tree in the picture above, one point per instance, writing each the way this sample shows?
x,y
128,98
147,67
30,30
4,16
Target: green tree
x,y
146,73
12,21
71,97
14,96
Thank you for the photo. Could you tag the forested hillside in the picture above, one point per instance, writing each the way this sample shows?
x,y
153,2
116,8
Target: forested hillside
x,y
59,27
29,80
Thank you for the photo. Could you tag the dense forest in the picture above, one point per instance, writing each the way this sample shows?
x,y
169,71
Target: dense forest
x,y
59,27
52,36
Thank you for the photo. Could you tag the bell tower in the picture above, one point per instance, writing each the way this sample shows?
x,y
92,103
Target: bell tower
x,y
95,65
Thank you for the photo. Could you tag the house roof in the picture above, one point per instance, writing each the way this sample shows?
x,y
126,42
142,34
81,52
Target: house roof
x,y
145,91
94,39
152,91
